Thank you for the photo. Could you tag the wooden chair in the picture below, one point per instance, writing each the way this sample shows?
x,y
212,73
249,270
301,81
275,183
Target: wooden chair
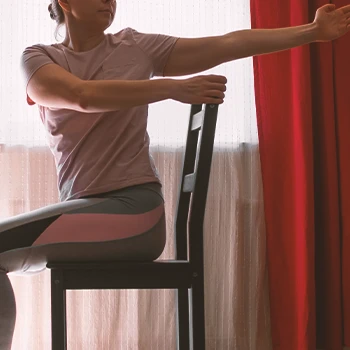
x,y
185,274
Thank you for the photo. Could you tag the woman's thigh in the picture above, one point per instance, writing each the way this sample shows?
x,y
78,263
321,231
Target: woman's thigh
x,y
127,224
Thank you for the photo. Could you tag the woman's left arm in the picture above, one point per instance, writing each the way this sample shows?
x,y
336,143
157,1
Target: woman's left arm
x,y
191,56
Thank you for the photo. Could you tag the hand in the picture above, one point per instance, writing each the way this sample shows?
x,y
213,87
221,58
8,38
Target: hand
x,y
208,89
332,23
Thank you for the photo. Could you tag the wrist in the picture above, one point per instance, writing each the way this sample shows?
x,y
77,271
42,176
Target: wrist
x,y
170,88
314,32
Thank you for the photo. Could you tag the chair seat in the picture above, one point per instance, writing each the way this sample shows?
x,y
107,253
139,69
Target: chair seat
x,y
161,274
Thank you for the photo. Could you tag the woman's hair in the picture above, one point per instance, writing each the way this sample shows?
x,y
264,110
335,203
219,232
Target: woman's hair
x,y
57,14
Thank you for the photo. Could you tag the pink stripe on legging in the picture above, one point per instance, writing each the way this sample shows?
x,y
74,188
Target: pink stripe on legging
x,y
92,227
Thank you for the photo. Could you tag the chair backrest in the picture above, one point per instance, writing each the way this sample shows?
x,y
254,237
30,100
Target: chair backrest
x,y
189,216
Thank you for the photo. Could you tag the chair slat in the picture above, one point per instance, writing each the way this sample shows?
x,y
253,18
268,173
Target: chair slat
x,y
123,275
119,265
111,279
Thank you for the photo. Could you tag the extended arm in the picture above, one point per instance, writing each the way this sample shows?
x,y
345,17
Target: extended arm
x,y
191,56
196,55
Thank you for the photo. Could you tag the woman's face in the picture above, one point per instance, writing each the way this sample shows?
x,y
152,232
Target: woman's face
x,y
99,12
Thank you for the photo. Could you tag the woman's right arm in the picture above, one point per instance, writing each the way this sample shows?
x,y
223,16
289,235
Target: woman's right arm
x,y
112,95
52,86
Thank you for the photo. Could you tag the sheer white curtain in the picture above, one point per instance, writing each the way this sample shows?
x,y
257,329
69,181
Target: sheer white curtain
x,y
237,307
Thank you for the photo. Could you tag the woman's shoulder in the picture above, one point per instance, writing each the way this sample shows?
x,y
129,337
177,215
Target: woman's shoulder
x,y
42,48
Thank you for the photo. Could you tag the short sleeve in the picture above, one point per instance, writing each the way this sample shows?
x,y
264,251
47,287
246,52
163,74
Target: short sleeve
x,y
33,58
157,47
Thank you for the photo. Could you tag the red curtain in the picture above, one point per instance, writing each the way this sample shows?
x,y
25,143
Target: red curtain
x,y
303,111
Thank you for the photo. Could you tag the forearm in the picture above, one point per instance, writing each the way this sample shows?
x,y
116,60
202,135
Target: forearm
x,y
253,42
113,95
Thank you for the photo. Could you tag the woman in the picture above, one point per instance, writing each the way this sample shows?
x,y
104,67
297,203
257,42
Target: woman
x,y
93,91
112,206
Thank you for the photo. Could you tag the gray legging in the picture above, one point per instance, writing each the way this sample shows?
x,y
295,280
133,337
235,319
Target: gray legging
x,y
126,224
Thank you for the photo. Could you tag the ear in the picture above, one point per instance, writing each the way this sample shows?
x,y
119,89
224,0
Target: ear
x,y
64,5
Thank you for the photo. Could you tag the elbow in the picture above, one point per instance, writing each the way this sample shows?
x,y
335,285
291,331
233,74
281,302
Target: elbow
x,y
81,97
90,98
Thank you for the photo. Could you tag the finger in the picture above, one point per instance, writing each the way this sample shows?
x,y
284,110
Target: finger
x,y
345,9
329,7
215,93
220,87
219,78
214,100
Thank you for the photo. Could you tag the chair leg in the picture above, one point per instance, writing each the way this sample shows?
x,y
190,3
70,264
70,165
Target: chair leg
x,y
58,311
183,322
198,313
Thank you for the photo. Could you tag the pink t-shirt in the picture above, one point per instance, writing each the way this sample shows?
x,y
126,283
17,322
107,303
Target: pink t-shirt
x,y
101,152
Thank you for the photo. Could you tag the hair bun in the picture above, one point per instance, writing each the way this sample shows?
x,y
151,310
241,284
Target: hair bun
x,y
52,13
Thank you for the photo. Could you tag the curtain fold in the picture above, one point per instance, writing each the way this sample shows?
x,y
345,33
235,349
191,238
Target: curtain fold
x,y
341,69
302,112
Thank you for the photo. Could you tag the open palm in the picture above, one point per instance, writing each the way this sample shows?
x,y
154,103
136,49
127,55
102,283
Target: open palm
x,y
332,23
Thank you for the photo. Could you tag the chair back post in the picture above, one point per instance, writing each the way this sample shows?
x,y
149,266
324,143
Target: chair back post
x,y
193,189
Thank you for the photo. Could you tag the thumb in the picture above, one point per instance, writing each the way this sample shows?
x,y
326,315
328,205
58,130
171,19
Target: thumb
x,y
329,7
